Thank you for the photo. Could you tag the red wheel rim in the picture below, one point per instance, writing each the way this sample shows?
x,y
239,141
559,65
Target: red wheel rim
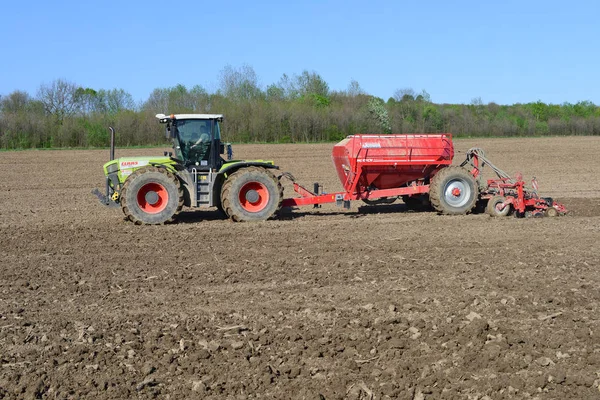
x,y
246,196
152,198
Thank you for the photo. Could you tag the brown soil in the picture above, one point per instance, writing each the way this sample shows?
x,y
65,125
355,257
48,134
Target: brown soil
x,y
374,302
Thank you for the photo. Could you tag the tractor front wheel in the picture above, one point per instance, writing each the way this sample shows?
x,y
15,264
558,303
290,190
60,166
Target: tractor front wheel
x,y
151,196
251,194
453,191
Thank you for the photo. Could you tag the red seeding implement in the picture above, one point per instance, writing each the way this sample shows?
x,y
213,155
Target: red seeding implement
x,y
380,168
506,194
376,169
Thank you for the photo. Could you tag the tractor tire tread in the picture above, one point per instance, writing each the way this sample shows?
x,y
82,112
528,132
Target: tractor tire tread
x,y
227,185
123,196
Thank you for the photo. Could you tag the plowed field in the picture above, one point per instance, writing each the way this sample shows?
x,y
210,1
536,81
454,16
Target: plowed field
x,y
367,303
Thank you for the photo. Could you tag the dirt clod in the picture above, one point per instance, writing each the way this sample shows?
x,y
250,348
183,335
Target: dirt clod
x,y
237,345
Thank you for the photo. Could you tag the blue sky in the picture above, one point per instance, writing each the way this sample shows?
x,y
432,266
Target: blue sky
x,y
502,51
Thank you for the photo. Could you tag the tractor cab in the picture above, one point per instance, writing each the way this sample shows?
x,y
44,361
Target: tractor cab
x,y
196,139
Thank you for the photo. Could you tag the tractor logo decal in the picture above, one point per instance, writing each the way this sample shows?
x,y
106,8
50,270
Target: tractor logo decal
x,y
132,164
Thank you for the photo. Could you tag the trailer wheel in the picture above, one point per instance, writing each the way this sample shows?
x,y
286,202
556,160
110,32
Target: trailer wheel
x,y
416,202
494,203
453,191
251,194
381,200
151,196
551,212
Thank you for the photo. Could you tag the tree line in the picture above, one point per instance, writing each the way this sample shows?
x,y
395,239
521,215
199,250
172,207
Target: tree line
x,y
297,108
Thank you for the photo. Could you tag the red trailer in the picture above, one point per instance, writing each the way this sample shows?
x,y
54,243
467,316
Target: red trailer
x,y
418,168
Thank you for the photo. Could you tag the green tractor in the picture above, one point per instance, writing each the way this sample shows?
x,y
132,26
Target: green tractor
x,y
153,190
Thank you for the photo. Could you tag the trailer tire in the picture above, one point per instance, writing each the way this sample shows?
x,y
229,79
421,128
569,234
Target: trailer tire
x,y
493,203
418,202
453,191
151,196
381,200
251,194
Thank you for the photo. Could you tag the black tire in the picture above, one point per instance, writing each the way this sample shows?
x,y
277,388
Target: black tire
x,y
381,200
417,202
221,210
246,184
480,206
218,188
442,191
147,185
492,207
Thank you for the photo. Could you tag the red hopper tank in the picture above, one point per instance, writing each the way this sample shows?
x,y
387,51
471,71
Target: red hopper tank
x,y
368,162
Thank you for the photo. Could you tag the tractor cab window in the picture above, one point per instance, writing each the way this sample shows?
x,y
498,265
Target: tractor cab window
x,y
217,130
195,139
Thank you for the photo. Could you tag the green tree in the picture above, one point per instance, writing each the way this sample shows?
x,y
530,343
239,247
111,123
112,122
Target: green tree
x,y
311,83
239,83
17,101
379,113
116,100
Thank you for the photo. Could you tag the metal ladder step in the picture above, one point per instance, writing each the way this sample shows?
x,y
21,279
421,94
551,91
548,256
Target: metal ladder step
x,y
203,189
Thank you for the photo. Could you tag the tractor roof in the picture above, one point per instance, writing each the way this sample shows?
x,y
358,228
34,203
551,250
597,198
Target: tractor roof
x,y
165,118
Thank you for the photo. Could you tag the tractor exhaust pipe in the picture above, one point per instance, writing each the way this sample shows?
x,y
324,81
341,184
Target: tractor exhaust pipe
x,y
112,157
112,143
106,198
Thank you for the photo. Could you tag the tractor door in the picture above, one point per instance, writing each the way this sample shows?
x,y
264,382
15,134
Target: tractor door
x,y
197,143
215,154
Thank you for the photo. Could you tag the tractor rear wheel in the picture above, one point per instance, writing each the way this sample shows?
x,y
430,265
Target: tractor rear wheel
x,y
494,203
151,196
251,194
453,191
